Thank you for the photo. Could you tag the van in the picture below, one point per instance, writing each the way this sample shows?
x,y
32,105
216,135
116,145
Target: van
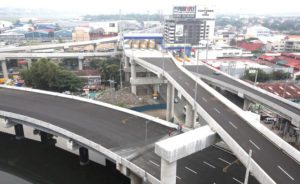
x,y
270,120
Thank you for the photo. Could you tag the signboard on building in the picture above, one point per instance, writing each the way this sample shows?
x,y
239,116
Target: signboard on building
x,y
184,12
205,12
179,30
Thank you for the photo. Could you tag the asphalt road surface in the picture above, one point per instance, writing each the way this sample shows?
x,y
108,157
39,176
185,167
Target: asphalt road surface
x,y
280,167
202,167
204,70
110,128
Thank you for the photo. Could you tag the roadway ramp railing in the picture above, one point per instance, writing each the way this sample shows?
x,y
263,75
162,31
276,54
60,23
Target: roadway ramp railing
x,y
294,117
257,171
58,131
60,45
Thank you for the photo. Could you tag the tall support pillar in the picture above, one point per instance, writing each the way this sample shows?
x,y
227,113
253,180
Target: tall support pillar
x,y
190,116
170,102
126,65
246,104
168,172
95,47
29,63
4,69
115,47
134,179
133,75
83,156
80,63
19,131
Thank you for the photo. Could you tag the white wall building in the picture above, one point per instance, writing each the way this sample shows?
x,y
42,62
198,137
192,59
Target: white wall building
x,y
215,52
258,31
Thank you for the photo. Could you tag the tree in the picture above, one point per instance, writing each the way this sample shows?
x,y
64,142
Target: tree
x,y
108,68
280,75
47,76
298,77
261,76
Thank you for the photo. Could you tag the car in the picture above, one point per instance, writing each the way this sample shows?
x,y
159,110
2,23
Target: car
x,y
216,73
269,120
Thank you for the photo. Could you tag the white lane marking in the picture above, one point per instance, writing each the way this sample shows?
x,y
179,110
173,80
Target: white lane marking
x,y
286,173
223,160
218,147
212,166
178,177
237,180
217,110
154,163
204,99
233,125
191,170
254,144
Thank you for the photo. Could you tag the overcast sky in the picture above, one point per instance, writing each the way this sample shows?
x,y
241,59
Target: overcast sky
x,y
153,6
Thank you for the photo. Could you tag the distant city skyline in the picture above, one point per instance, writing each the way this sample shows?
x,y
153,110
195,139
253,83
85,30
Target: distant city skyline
x,y
155,6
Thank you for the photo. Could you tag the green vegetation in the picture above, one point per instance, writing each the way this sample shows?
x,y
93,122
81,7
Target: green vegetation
x,y
109,68
46,75
263,76
298,77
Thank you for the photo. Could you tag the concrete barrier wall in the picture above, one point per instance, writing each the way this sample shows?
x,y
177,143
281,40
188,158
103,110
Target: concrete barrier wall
x,y
106,105
256,170
255,88
81,140
276,140
256,98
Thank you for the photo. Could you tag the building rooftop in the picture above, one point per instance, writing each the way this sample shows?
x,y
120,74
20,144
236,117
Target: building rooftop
x,y
285,90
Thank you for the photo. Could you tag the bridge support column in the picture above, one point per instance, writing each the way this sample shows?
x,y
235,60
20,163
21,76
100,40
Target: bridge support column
x,y
168,172
47,138
83,156
80,64
134,179
246,104
4,69
170,102
133,75
29,63
19,131
186,144
190,116
95,47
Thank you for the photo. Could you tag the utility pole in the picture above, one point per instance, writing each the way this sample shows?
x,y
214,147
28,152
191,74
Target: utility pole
x,y
248,168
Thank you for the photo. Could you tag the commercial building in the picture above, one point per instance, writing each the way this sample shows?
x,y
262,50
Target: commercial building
x,y
190,24
292,43
258,31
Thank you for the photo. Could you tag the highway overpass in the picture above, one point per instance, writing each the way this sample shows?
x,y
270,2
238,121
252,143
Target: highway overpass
x,y
59,45
271,163
79,55
283,107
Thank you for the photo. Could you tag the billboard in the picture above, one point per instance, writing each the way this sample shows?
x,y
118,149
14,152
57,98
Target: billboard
x,y
205,12
184,12
179,30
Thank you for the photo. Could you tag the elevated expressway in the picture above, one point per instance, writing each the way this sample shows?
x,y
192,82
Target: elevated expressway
x,y
59,45
114,132
283,107
272,160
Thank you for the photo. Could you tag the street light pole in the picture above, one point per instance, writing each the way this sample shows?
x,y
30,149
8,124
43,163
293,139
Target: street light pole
x,y
184,47
146,131
256,74
248,168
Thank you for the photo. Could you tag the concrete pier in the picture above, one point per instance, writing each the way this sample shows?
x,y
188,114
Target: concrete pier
x,y
4,69
170,102
133,75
